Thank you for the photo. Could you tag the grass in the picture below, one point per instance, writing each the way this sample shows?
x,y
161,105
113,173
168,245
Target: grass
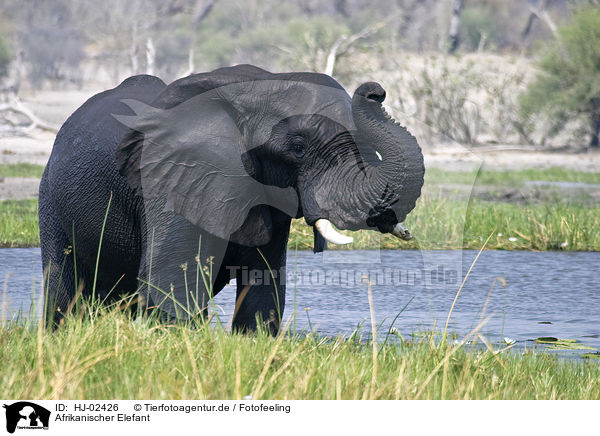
x,y
19,223
434,175
102,352
111,357
439,221
21,169
512,177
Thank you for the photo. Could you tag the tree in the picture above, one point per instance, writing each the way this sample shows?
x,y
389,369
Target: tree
x,y
4,57
453,41
52,44
568,86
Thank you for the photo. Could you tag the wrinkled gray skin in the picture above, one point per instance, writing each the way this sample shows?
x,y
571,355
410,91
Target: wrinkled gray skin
x,y
214,166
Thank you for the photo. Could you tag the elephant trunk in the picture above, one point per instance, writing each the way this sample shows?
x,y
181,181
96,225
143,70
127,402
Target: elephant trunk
x,y
394,182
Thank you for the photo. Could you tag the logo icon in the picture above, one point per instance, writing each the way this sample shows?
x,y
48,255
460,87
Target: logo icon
x,y
26,415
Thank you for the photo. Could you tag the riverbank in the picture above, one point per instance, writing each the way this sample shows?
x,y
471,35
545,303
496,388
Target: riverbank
x,y
436,223
111,357
528,209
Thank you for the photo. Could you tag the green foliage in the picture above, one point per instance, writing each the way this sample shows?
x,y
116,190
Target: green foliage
x,y
5,57
568,85
296,43
478,28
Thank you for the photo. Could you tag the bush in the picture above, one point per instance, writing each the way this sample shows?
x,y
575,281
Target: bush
x,y
470,99
568,86
4,57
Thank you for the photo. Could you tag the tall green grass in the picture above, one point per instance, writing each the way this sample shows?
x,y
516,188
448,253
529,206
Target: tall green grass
x,y
436,223
19,223
441,223
109,356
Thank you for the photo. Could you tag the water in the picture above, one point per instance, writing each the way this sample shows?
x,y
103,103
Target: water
x,y
545,293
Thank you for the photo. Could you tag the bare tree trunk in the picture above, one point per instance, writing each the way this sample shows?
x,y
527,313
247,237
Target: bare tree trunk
x,y
343,44
202,13
341,6
331,57
150,56
526,34
595,124
12,83
453,39
191,67
540,13
199,15
133,50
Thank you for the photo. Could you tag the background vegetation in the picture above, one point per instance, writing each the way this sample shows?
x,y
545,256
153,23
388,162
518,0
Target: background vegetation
x,y
450,76
569,84
448,215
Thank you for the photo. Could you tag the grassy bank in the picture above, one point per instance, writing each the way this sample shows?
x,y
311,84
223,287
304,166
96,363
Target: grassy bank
x,y
433,175
22,169
512,177
446,216
112,357
437,223
19,223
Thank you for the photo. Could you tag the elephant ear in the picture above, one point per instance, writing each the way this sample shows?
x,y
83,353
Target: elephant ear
x,y
190,147
188,150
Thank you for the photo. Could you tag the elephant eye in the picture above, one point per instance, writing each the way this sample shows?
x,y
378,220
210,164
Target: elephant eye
x,y
298,145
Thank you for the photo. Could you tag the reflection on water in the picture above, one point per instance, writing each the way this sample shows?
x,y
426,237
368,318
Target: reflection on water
x,y
528,294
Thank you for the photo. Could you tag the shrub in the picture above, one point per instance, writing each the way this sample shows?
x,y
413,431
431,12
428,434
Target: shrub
x,y
568,85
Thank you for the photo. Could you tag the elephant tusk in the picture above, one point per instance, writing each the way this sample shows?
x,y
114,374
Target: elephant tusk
x,y
326,230
401,232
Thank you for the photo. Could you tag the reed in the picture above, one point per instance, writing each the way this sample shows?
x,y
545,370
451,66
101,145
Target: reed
x,y
113,357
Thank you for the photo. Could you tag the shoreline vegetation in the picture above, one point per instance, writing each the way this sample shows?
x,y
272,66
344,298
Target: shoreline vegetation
x,y
101,353
531,209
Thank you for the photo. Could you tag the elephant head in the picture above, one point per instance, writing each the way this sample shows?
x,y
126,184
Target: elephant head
x,y
225,147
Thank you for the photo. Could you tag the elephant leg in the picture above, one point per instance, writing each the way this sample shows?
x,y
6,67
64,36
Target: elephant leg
x,y
261,284
60,282
259,303
180,268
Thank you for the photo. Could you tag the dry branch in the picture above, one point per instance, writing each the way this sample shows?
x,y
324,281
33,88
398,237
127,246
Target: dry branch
x,y
344,42
540,13
17,106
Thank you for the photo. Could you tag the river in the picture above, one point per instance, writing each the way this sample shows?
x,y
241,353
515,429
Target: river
x,y
525,294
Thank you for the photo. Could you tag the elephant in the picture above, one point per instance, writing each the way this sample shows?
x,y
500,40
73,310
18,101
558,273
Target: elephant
x,y
171,191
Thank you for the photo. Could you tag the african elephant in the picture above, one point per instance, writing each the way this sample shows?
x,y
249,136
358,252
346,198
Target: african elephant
x,y
174,190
